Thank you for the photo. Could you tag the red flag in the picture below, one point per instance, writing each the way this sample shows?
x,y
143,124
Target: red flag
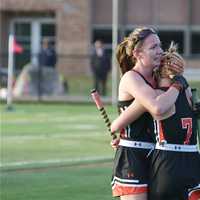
x,y
17,48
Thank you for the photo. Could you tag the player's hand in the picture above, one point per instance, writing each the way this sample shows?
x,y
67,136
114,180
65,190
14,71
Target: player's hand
x,y
115,143
180,81
174,64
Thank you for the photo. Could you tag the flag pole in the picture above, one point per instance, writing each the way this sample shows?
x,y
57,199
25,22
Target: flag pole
x,y
114,45
10,71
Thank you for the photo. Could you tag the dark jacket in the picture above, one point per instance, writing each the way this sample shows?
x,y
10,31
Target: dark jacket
x,y
100,65
47,57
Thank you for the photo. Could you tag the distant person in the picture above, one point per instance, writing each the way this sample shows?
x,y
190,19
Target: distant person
x,y
47,57
100,65
49,82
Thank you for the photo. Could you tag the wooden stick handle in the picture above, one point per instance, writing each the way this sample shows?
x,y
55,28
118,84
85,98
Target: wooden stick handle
x,y
97,99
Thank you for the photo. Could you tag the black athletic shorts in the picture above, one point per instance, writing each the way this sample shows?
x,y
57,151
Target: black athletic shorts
x,y
130,172
174,175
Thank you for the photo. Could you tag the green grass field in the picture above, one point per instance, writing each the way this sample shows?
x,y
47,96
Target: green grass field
x,y
76,86
55,151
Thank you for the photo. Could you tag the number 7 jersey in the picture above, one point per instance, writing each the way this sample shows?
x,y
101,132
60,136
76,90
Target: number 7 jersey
x,y
181,127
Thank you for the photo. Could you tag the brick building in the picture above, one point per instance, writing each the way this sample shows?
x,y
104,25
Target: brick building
x,y
73,25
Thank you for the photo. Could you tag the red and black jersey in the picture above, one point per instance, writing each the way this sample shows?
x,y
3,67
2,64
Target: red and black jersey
x,y
139,130
131,162
179,128
175,162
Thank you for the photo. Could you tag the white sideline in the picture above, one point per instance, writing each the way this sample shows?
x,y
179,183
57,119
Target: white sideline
x,y
55,161
51,136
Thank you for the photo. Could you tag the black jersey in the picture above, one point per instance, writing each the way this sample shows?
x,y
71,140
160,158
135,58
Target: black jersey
x,y
179,128
175,162
139,130
131,163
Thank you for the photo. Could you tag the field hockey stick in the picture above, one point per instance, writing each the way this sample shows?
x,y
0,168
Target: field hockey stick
x,y
195,100
97,99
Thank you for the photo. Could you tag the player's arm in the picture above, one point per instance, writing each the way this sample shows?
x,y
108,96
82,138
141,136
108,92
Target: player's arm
x,y
155,104
167,113
132,113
